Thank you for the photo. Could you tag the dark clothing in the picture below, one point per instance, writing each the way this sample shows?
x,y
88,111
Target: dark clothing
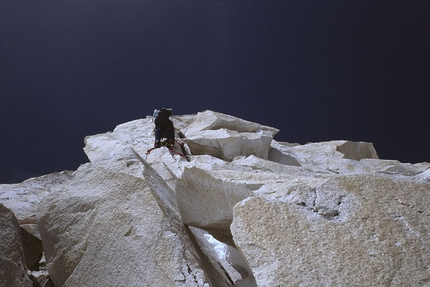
x,y
163,121
164,129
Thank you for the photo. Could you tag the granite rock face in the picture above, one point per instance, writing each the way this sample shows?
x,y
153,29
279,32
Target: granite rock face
x,y
106,228
227,137
356,231
318,214
13,269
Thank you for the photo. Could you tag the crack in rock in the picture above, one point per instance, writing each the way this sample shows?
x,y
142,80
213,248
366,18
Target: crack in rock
x,y
413,207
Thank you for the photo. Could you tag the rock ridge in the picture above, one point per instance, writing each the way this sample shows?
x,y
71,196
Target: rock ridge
x,y
278,214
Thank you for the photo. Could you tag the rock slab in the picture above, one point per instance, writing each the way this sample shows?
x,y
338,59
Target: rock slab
x,y
105,228
13,270
356,231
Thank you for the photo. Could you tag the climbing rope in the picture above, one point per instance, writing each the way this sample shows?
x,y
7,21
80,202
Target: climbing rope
x,y
157,158
29,221
46,281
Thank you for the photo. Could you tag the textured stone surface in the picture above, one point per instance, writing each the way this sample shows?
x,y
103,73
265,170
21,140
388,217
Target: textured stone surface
x,y
227,145
210,120
23,198
207,191
226,137
106,229
33,249
345,157
13,271
356,231
206,201
319,214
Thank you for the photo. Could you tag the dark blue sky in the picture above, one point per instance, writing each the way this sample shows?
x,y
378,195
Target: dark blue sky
x,y
317,70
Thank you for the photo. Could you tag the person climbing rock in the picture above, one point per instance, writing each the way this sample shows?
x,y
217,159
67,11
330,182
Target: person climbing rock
x,y
163,128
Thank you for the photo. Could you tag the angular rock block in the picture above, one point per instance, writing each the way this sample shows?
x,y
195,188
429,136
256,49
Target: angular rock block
x,y
33,249
107,229
210,120
342,157
326,152
206,201
277,156
208,190
227,145
318,214
358,230
227,137
357,150
23,198
13,270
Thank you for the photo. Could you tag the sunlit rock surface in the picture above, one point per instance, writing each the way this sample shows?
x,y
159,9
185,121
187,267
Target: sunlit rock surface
x,y
275,213
125,238
226,137
359,230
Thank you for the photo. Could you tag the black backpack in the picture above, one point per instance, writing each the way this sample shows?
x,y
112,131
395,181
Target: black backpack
x,y
161,116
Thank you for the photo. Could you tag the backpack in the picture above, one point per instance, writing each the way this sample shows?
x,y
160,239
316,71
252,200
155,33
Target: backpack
x,y
161,116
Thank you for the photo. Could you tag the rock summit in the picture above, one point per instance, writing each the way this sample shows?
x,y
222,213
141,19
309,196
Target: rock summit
x,y
237,209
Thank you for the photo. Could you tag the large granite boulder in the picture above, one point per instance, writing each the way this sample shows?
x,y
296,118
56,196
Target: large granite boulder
x,y
226,137
23,198
13,269
356,231
208,190
210,120
206,201
341,157
106,228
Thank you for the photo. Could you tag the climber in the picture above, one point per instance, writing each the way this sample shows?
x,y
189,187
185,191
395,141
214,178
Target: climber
x,y
163,128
